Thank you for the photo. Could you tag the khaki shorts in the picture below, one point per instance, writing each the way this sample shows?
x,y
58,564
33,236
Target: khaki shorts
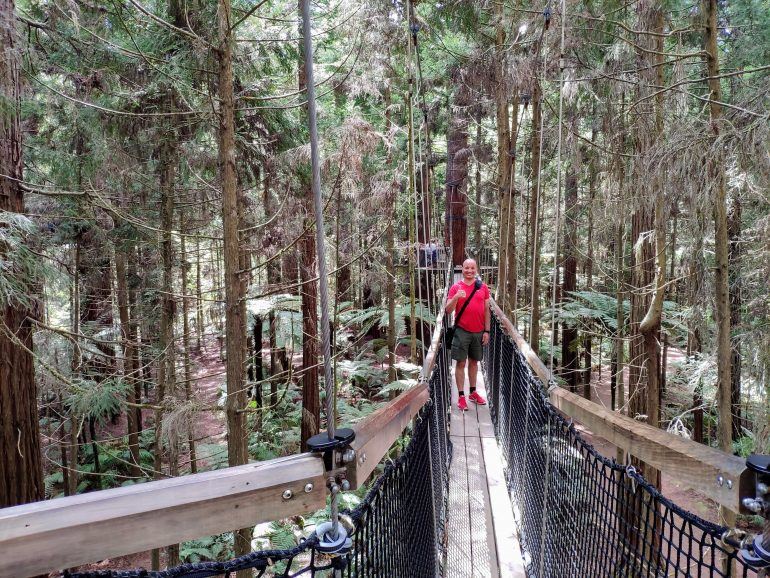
x,y
466,344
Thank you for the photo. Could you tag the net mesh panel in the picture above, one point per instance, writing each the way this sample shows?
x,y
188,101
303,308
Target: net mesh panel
x,y
399,528
579,513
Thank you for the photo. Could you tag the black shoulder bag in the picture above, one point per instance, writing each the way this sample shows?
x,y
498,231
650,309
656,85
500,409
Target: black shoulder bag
x,y
450,331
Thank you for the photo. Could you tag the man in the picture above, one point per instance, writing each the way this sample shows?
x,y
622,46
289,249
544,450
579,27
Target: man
x,y
471,331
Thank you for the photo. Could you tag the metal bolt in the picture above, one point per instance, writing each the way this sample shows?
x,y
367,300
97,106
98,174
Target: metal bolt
x,y
762,488
287,494
348,456
345,485
752,505
720,480
362,459
729,484
308,488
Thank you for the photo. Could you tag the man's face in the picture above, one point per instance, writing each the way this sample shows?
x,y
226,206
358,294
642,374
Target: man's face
x,y
469,269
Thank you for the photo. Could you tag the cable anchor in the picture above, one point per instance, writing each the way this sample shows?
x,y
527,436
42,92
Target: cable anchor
x,y
756,553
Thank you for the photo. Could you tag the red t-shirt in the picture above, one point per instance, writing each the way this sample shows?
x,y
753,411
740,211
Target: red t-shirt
x,y
473,317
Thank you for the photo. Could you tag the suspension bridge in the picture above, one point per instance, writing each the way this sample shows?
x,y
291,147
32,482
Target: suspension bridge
x,y
514,489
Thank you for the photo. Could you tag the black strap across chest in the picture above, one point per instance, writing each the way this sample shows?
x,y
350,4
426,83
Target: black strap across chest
x,y
467,302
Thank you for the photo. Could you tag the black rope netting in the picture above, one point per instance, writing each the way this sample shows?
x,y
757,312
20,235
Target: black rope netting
x,y
579,513
398,529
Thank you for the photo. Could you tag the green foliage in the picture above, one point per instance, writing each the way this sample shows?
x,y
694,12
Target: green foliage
x,y
745,445
592,306
397,386
218,547
20,268
363,320
288,313
361,374
97,399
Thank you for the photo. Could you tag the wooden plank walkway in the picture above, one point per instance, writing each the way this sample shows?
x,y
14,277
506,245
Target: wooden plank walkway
x,y
481,537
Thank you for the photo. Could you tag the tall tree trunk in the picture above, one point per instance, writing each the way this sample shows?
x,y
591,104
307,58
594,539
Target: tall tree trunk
x,y
257,373
273,279
198,297
235,324
511,281
617,385
649,255
21,473
457,172
128,356
734,259
75,363
390,256
504,169
477,188
696,274
721,242
166,344
534,218
588,266
187,338
569,353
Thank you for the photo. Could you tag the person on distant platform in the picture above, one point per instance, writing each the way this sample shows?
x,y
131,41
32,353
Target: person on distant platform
x,y
471,330
432,253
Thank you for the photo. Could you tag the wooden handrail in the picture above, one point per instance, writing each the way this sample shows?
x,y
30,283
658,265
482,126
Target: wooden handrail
x,y
721,477
47,536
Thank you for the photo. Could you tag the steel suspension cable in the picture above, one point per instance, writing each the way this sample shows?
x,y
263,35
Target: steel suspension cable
x,y
323,281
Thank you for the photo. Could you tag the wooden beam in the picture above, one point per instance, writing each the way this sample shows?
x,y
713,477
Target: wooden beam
x,y
694,465
376,433
47,536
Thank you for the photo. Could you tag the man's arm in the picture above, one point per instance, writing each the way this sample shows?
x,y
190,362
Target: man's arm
x,y
452,303
487,322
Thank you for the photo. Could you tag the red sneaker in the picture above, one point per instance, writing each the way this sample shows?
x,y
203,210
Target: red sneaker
x,y
476,398
462,404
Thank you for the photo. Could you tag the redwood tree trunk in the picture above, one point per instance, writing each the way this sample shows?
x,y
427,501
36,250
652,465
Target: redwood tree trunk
x,y
569,354
734,258
457,175
235,324
534,217
721,288
21,475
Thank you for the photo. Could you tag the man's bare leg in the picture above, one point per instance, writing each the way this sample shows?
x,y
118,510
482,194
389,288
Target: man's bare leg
x,y
473,369
460,377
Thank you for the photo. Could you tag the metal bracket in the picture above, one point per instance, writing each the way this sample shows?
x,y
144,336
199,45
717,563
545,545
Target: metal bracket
x,y
320,443
757,552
